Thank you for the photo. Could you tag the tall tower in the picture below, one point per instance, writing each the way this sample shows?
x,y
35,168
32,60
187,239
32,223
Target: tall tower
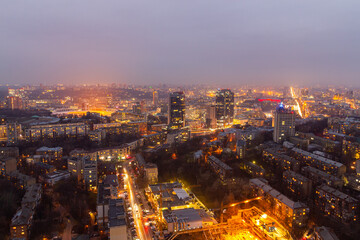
x,y
284,124
176,111
155,98
224,107
14,102
211,116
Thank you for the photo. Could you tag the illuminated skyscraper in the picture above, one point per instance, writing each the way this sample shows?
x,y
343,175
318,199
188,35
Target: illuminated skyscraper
x,y
137,108
176,112
155,98
224,107
211,116
14,102
284,124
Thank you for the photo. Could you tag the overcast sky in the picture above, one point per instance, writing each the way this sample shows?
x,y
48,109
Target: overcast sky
x,y
184,41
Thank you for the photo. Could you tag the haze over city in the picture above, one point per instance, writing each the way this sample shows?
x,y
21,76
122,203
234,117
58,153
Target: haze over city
x,y
147,42
180,120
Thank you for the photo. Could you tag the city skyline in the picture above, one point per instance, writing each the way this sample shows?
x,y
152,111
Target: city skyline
x,y
270,43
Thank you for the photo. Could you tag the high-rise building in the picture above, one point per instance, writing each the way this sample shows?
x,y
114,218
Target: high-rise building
x,y
155,98
211,116
14,102
224,107
176,111
284,123
137,108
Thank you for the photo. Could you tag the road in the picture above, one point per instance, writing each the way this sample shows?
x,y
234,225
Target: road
x,y
296,100
137,213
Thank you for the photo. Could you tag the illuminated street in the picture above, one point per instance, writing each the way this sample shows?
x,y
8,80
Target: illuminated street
x,y
136,210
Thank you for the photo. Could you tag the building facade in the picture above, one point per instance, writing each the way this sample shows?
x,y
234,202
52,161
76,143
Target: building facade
x,y
284,124
224,107
176,111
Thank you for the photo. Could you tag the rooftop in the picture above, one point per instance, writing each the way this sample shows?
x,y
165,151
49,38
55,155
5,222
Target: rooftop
x,y
317,157
276,194
47,149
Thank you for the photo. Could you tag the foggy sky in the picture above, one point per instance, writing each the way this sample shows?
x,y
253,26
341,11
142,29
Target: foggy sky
x,y
236,42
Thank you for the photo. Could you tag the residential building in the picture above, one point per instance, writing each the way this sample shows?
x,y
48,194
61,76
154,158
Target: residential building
x,y
7,166
117,220
319,162
319,177
13,133
56,176
89,170
97,135
9,152
284,124
151,173
37,132
21,180
50,155
241,148
279,159
291,213
176,111
336,204
324,233
224,107
211,121
21,222
219,167
298,185
253,169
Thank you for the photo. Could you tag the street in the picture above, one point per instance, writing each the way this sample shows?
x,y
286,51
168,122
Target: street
x,y
143,233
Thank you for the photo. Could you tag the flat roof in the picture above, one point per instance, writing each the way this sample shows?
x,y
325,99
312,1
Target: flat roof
x,y
317,157
276,194
220,163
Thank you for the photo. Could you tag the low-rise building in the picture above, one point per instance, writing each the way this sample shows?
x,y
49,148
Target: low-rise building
x,y
50,155
37,132
291,213
117,222
151,173
21,222
219,167
279,159
319,162
9,152
241,148
56,176
97,135
182,219
173,196
253,169
297,184
319,177
324,233
336,204
21,180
